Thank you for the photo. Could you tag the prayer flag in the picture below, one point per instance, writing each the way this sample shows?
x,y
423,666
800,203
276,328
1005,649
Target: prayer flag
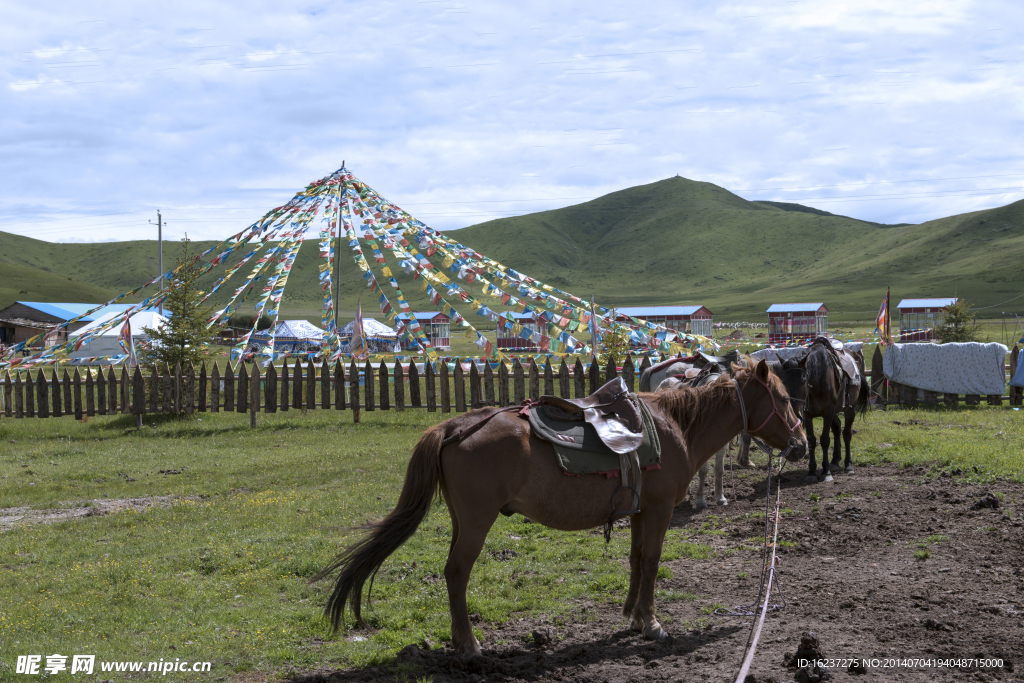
x,y
882,322
358,347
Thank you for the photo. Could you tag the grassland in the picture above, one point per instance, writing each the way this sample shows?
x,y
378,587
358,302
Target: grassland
x,y
217,568
672,241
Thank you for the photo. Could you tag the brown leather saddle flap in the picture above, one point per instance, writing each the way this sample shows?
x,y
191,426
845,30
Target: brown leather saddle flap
x,y
611,412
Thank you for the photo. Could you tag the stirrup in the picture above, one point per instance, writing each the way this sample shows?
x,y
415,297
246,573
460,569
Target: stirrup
x,y
611,518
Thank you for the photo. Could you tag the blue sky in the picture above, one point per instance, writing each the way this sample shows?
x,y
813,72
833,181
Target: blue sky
x,y
461,112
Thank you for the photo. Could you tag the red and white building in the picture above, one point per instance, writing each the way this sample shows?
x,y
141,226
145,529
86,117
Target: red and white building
x,y
436,325
692,319
918,318
796,323
512,341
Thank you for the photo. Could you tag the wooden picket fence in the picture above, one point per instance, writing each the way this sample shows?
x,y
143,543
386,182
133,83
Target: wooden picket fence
x,y
245,389
891,393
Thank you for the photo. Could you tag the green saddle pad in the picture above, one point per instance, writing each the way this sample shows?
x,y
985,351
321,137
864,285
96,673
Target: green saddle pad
x,y
578,448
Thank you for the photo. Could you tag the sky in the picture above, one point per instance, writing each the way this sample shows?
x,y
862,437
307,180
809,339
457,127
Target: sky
x,y
463,112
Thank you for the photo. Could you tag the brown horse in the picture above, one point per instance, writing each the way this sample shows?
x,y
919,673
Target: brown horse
x,y
501,468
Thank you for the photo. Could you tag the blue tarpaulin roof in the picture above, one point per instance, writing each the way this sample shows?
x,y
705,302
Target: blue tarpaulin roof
x,y
69,311
925,303
651,311
793,308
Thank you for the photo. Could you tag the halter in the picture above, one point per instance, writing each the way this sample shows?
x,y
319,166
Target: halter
x,y
775,409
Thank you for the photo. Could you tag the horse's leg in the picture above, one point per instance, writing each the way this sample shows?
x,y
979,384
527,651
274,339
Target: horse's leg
x,y
455,520
851,413
826,429
636,551
812,450
656,520
743,460
720,498
837,447
702,475
472,532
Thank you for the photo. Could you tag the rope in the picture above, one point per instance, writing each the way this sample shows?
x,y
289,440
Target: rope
x,y
768,572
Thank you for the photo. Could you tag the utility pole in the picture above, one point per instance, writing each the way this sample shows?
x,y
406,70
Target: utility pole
x,y
160,251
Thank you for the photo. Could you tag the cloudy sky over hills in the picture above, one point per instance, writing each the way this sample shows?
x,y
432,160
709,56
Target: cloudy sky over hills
x,y
461,112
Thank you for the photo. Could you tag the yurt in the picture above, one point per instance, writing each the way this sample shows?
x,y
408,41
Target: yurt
x,y
379,337
107,344
292,336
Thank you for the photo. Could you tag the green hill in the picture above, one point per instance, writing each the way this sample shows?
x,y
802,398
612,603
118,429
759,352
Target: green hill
x,y
672,241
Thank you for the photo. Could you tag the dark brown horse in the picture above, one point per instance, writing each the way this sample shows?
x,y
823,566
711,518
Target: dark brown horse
x,y
502,468
828,396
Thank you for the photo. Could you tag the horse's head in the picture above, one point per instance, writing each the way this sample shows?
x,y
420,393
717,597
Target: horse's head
x,y
794,378
769,414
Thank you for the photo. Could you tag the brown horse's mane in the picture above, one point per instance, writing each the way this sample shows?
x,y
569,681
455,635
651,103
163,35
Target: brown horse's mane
x,y
694,408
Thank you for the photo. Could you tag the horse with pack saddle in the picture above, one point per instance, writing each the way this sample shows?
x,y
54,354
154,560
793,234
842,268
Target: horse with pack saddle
x,y
570,464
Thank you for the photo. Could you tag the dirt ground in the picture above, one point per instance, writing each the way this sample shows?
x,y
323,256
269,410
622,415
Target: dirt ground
x,y
851,578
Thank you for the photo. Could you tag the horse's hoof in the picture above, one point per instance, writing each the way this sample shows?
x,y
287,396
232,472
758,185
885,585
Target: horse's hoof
x,y
722,501
811,479
656,633
849,469
828,477
700,504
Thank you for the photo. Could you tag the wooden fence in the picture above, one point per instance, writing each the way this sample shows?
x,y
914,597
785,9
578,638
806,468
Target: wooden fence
x,y
245,389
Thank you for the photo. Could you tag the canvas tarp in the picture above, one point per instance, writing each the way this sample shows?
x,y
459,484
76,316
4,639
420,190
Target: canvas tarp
x,y
786,352
955,368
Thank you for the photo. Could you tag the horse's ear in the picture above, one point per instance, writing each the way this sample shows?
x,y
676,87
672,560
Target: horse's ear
x,y
761,370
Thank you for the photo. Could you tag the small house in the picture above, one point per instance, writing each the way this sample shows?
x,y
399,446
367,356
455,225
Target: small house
x,y
796,323
436,325
918,318
691,319
510,340
23,320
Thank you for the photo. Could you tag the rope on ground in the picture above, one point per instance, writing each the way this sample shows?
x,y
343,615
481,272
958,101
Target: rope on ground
x,y
767,569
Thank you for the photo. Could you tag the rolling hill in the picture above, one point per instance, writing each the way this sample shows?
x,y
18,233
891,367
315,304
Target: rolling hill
x,y
672,241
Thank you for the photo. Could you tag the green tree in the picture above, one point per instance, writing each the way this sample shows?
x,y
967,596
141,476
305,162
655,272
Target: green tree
x,y
184,338
958,324
614,344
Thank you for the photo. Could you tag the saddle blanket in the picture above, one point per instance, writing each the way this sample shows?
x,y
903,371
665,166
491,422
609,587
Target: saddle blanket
x,y
955,368
578,448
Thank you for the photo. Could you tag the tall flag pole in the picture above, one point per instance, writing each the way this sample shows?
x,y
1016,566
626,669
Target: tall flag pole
x,y
882,328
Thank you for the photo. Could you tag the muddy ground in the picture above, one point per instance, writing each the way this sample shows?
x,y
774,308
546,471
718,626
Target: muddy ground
x,y
851,577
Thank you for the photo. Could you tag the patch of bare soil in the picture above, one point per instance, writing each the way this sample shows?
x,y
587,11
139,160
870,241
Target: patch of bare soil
x,y
850,577
11,518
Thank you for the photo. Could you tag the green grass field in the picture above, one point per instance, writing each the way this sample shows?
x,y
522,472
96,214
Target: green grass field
x,y
217,570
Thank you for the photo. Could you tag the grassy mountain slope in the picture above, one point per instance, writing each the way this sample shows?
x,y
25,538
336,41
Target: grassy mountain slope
x,y
672,241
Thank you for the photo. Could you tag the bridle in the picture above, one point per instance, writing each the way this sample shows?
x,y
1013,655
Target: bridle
x,y
775,409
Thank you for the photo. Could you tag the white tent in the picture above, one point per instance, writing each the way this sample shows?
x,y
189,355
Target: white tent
x,y
379,337
106,344
291,336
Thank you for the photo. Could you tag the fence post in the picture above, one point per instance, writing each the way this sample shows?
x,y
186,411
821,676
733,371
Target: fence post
x,y
399,387
201,399
428,386
995,400
90,395
325,385
563,379
101,391
502,384
415,397
460,387
951,399
518,383
215,388
534,380
126,406
385,394
644,364
30,395
628,374
270,393
368,386
19,396
488,384
111,391
878,376
972,399
579,379
339,385
44,395
310,385
55,391
190,389
474,386
68,406
9,393
549,378
594,373
78,395
297,384
612,371
229,389
243,388
138,396
254,399
154,391
1016,393
177,388
353,396
446,397
930,397
284,398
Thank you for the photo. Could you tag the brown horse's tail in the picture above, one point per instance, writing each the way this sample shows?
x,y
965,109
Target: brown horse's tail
x,y
361,560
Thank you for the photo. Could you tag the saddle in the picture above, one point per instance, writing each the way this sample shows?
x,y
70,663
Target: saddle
x,y
702,359
845,364
611,412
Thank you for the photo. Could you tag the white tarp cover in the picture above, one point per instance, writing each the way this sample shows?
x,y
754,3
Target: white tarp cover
x,y
106,344
1018,377
379,337
787,352
294,330
955,368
